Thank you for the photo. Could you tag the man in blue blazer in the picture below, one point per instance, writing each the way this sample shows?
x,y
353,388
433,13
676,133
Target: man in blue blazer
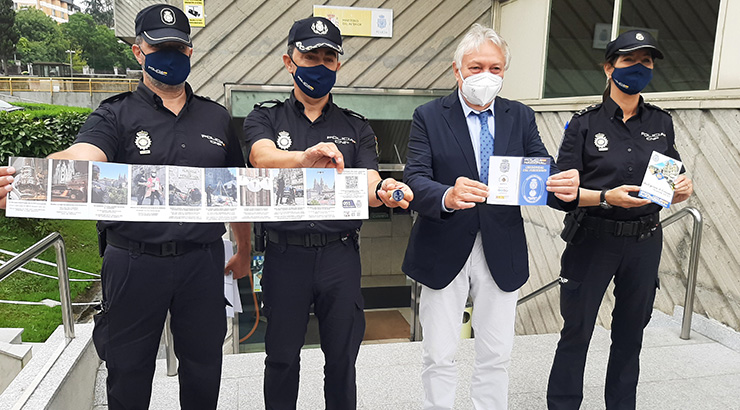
x,y
459,245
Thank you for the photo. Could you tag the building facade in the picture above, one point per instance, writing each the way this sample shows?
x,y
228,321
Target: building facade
x,y
557,48
59,10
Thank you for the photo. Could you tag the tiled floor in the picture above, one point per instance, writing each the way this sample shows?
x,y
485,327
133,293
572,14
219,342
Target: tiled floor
x,y
699,373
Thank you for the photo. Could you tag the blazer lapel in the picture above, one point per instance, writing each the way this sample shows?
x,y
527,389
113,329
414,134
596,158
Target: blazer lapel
x,y
504,124
455,118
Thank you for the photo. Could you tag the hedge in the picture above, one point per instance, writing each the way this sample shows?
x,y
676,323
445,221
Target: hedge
x,y
39,130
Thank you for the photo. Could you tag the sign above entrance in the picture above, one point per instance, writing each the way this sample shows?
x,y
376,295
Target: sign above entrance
x,y
358,21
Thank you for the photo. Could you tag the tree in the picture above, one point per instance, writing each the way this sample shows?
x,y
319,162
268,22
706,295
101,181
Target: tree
x,y
8,33
41,39
101,12
100,47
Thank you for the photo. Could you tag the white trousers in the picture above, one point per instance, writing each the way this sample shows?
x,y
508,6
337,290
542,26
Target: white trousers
x,y
441,313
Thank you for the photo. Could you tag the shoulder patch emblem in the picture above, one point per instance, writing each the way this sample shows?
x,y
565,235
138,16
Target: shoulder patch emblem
x,y
283,140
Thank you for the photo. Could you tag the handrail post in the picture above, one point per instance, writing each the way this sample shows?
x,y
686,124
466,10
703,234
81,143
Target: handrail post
x,y
33,251
169,347
64,292
688,309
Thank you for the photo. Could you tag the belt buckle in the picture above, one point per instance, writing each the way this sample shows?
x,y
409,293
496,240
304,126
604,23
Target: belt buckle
x,y
169,248
314,239
618,228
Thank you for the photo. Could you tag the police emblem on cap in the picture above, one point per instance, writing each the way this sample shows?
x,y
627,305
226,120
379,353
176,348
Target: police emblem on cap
x,y
601,142
639,37
319,27
283,140
143,141
168,16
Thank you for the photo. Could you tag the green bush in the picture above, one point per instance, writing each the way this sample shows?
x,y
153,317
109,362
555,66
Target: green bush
x,y
39,130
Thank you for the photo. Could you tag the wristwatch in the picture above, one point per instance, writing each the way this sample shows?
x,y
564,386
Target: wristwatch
x,y
602,200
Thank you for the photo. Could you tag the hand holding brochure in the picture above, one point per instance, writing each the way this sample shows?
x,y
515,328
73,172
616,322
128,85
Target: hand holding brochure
x,y
657,185
518,180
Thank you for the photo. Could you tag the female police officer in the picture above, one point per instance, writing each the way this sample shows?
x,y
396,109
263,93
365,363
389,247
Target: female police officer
x,y
619,236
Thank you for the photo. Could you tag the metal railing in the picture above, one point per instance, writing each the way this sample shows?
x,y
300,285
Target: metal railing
x,y
66,85
691,276
55,240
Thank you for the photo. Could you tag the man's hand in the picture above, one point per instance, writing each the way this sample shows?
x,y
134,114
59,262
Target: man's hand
x,y
564,184
386,193
239,264
322,155
6,179
620,196
682,189
465,193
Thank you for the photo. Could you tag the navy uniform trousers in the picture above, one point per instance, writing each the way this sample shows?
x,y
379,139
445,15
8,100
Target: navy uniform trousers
x,y
138,290
293,278
591,264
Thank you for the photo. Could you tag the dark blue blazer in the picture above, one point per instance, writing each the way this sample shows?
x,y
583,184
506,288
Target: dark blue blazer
x,y
440,151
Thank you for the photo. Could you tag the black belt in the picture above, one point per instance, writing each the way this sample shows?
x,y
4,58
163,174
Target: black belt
x,y
171,248
638,227
307,240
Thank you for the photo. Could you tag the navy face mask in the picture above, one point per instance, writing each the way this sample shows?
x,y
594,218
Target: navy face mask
x,y
633,79
168,65
314,81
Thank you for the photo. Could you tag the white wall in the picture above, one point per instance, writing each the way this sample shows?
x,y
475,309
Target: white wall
x,y
729,61
524,26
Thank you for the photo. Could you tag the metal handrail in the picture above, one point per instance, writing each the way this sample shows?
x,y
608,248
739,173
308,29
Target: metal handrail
x,y
53,239
691,276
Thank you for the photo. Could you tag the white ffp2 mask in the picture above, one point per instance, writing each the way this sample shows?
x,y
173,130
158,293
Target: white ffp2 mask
x,y
480,89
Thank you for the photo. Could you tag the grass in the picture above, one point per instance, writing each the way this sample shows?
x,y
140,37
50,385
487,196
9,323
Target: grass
x,y
17,234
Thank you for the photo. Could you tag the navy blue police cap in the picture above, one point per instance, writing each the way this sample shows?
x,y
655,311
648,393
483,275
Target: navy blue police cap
x,y
630,41
315,32
161,23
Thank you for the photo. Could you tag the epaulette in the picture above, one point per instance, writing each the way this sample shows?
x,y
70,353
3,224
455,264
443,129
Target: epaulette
x,y
207,99
657,108
116,97
268,103
354,114
587,109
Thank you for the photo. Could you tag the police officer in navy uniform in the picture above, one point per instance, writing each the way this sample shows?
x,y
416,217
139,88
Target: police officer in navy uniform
x,y
615,234
152,268
314,262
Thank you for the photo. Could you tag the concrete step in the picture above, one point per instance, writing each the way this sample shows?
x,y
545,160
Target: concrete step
x,y
699,373
14,355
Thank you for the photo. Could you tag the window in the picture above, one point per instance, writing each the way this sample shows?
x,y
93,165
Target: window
x,y
580,29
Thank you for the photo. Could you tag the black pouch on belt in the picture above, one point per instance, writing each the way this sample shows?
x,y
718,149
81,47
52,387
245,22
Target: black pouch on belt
x,y
572,224
102,242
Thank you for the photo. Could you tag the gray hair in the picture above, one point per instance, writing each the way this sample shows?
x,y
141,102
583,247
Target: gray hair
x,y
474,38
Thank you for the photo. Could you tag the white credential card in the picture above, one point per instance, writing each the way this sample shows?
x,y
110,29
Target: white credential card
x,y
518,180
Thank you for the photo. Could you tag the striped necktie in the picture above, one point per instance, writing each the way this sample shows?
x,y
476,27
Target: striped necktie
x,y
486,145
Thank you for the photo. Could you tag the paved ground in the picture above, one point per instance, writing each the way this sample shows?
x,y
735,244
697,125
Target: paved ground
x,y
699,373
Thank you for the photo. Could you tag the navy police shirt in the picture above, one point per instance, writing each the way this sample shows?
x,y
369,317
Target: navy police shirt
x,y
200,136
609,152
290,129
